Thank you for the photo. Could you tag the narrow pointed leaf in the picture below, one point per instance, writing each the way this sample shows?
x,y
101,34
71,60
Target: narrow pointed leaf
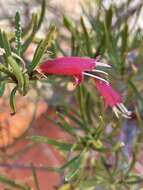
x,y
18,33
41,49
5,180
2,88
57,144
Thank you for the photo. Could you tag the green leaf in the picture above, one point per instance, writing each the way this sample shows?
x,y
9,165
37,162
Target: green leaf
x,y
18,33
41,49
135,90
108,18
101,47
5,70
12,183
5,43
66,126
88,107
86,37
31,36
42,14
72,174
26,83
35,177
35,23
125,35
13,100
75,165
17,72
118,145
74,116
81,100
57,144
69,24
2,88
1,40
91,182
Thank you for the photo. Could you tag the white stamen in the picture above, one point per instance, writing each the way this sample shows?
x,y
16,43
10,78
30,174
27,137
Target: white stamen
x,y
124,109
116,111
100,71
129,112
102,64
121,109
97,77
126,116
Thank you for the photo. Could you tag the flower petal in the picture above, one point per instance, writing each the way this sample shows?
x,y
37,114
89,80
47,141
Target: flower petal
x,y
68,65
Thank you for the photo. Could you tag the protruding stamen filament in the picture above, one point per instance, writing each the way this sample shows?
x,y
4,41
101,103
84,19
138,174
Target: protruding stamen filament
x,y
97,77
116,111
124,109
100,71
126,116
121,109
102,64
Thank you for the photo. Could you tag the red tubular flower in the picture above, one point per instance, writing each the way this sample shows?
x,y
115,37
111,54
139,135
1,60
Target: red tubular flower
x,y
78,67
73,66
112,98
